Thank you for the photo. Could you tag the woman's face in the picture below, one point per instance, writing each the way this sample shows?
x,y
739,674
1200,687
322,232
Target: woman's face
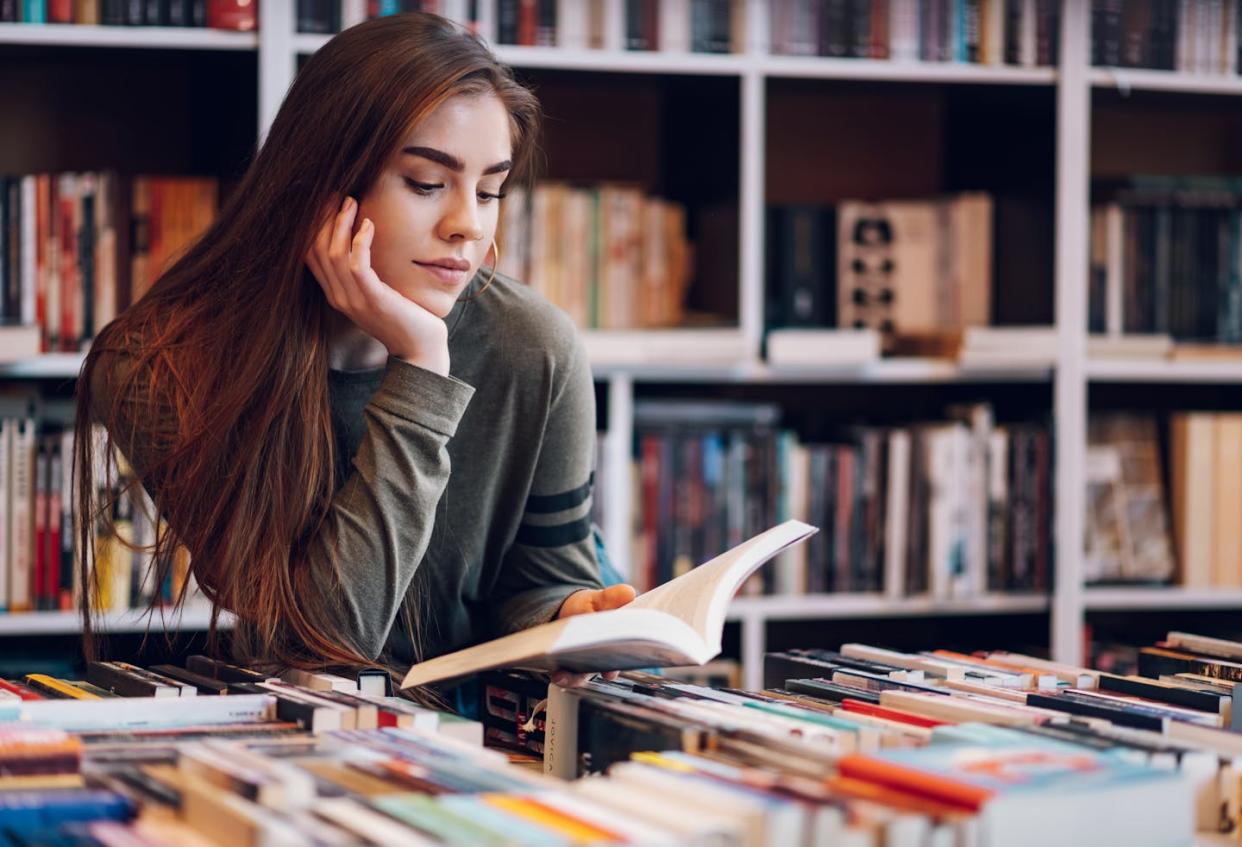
x,y
435,205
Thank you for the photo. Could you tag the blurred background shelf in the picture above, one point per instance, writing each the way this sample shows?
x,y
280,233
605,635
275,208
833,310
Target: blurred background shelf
x,y
1161,598
144,38
195,616
831,606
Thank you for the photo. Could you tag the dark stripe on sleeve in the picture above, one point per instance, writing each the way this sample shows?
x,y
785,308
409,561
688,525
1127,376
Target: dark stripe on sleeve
x,y
554,536
547,504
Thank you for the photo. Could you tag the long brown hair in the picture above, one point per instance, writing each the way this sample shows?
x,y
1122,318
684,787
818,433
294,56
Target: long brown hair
x,y
230,345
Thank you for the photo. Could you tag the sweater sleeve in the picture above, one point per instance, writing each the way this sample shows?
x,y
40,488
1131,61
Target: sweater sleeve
x,y
553,554
380,520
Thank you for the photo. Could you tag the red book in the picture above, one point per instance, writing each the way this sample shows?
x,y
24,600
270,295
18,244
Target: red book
x,y
895,715
240,15
20,690
60,11
527,21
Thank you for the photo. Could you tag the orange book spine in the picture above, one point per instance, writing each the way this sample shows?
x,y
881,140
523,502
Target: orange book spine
x,y
912,781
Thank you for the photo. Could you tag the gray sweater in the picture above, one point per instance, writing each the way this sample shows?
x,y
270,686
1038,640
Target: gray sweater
x,y
479,482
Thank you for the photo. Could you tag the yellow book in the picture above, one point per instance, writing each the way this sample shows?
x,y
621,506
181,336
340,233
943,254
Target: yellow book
x,y
54,687
539,814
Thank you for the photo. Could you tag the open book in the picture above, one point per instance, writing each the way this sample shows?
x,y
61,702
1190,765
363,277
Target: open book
x,y
677,623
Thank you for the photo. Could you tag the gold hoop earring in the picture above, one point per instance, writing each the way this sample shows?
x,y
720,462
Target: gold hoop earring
x,y
495,264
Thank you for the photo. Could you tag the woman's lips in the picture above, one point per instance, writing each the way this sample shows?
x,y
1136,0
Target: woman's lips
x,y
447,276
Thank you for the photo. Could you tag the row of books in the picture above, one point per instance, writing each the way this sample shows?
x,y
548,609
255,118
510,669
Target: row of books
x,y
610,256
1166,257
213,14
1205,451
949,510
701,26
965,742
1190,36
899,267
75,248
988,32
861,745
38,542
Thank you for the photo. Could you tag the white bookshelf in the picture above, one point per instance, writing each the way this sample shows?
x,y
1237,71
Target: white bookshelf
x,y
194,616
144,38
1165,371
1134,79
625,360
1157,598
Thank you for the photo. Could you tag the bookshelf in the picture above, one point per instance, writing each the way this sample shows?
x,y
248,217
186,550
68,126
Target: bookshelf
x,y
626,362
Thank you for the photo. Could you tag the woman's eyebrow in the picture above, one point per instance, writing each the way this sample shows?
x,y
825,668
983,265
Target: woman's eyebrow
x,y
452,162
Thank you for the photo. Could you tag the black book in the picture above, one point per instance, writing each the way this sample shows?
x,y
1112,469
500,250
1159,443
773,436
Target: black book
x,y
126,683
216,669
1119,716
806,265
6,308
1175,695
858,28
204,684
507,21
86,260
112,12
822,689
779,667
310,716
834,34
157,12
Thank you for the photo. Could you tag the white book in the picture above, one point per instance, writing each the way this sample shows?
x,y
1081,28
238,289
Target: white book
x,y
29,225
18,341
1129,346
1027,47
791,565
823,347
675,26
687,347
660,810
21,502
7,426
571,25
678,623
353,12
897,514
903,30
614,25
366,823
136,712
1221,648
1018,341
1114,283
320,681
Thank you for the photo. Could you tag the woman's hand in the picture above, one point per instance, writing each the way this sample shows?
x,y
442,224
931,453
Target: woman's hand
x,y
581,603
342,265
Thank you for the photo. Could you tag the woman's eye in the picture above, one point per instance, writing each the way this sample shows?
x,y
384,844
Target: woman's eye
x,y
423,188
485,197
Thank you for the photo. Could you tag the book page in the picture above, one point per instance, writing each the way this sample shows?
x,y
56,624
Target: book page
x,y
701,597
619,639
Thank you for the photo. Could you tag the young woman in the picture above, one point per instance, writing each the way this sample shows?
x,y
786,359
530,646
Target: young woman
x,y
373,447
